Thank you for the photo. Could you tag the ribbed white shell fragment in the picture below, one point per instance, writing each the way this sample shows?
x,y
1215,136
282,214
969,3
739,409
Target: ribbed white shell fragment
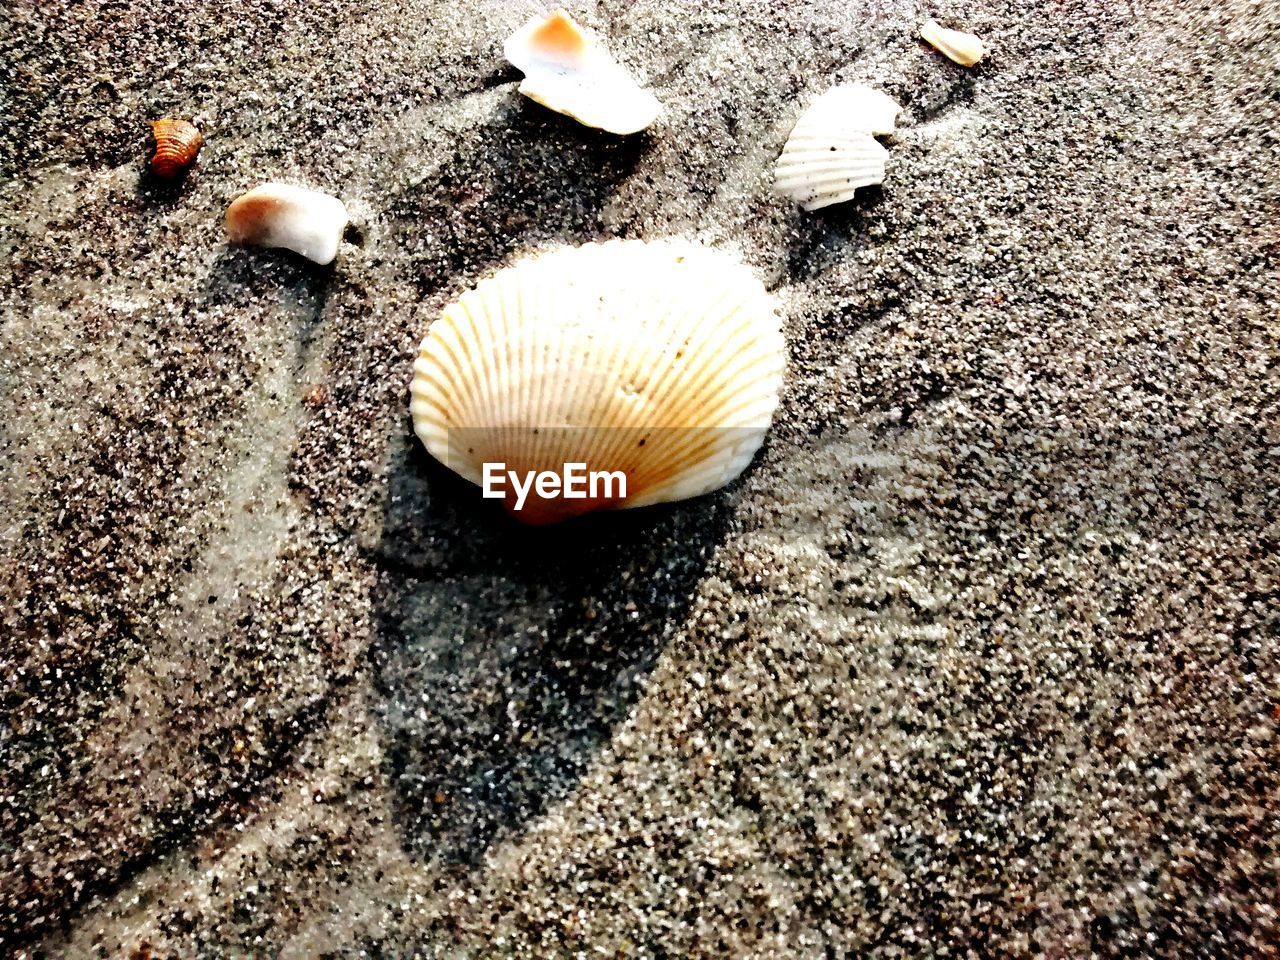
x,y
963,48
660,360
281,215
832,151
568,71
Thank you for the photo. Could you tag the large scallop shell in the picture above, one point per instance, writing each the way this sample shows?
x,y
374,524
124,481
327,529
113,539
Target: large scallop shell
x,y
660,360
568,71
832,150
177,144
963,48
281,215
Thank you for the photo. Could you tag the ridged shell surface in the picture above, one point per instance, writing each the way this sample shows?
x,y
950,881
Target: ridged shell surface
x,y
305,221
566,70
832,150
662,361
177,144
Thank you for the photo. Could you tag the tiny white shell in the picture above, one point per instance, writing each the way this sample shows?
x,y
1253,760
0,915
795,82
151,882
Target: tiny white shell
x,y
566,70
832,151
661,360
963,48
305,221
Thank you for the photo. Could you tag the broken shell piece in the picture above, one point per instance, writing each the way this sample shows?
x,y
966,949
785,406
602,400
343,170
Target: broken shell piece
x,y
963,48
855,106
662,361
280,215
568,71
819,172
177,144
831,151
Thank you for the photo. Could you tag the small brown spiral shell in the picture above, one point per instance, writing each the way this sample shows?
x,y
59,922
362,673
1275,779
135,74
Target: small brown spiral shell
x,y
177,143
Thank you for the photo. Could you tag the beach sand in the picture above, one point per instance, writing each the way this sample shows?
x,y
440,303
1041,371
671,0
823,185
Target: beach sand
x,y
980,658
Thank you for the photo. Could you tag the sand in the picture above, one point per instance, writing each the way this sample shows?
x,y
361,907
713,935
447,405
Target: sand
x,y
979,659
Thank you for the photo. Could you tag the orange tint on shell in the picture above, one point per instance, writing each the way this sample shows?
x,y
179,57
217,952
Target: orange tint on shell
x,y
177,143
559,37
249,218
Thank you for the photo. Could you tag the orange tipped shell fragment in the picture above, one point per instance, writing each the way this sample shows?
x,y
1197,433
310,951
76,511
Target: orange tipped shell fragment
x,y
177,143
568,71
559,36
307,222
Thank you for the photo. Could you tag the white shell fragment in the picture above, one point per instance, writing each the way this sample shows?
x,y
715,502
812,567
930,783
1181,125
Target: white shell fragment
x,y
305,221
566,70
857,107
963,48
661,360
832,151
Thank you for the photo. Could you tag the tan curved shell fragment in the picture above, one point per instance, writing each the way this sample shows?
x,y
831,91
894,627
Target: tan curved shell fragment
x,y
660,360
832,150
963,48
305,221
568,71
